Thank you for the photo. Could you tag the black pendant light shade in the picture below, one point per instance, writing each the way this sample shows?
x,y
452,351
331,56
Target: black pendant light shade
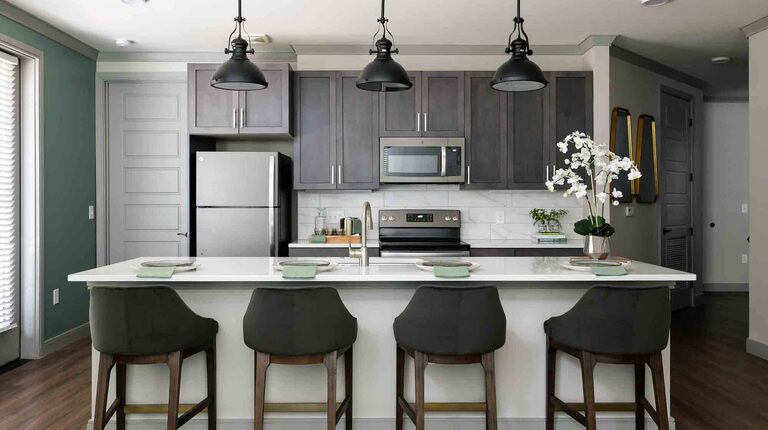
x,y
239,73
518,74
384,74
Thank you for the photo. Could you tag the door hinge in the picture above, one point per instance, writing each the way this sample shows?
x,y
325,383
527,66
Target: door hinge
x,y
690,122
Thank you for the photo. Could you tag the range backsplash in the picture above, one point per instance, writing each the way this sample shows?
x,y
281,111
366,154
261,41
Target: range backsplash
x,y
479,209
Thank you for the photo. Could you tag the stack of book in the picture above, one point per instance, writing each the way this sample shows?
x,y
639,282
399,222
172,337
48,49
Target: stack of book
x,y
550,238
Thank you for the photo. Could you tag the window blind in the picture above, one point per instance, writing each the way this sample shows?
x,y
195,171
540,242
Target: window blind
x,y
9,186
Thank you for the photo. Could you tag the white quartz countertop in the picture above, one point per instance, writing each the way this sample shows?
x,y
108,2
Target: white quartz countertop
x,y
381,272
474,243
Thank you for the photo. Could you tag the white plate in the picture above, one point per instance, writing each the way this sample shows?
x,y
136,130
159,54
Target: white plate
x,y
583,268
472,266
325,267
177,269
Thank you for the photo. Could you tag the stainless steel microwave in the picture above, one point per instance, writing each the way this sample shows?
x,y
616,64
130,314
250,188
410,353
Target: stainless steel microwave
x,y
422,160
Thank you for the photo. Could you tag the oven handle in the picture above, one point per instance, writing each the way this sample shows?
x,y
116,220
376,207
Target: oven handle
x,y
397,254
443,160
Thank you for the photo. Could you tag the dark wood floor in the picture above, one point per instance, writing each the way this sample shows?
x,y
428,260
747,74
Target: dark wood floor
x,y
715,384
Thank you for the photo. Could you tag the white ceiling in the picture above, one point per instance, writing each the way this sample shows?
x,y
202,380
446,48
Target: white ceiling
x,y
683,34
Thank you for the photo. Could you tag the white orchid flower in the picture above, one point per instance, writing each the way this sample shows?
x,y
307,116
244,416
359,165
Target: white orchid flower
x,y
634,174
615,203
617,194
563,146
602,196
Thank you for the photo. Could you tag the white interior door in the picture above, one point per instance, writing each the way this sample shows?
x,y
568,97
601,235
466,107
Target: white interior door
x,y
148,170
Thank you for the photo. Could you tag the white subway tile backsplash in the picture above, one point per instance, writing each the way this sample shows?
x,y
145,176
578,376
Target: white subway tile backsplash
x,y
544,199
475,231
464,198
309,200
481,215
512,231
350,199
415,199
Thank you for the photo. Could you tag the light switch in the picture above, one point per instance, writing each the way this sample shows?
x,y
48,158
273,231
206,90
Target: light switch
x,y
744,208
629,211
744,259
91,212
56,296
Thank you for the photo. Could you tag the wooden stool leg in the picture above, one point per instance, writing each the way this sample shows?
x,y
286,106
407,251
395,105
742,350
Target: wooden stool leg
x,y
551,369
639,394
120,388
420,366
400,390
331,363
348,372
657,372
262,363
588,382
210,364
106,361
490,391
174,388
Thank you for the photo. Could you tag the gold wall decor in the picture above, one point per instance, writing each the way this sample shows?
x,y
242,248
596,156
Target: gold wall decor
x,y
647,187
621,145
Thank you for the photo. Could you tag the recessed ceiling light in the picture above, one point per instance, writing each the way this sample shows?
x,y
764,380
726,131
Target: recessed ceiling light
x,y
654,2
124,42
721,60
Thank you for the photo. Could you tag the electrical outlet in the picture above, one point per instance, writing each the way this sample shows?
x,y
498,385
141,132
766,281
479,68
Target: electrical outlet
x,y
744,259
629,211
56,296
499,217
744,208
91,212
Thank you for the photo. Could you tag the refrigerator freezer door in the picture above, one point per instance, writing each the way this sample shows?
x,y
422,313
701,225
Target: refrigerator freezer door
x,y
236,232
244,179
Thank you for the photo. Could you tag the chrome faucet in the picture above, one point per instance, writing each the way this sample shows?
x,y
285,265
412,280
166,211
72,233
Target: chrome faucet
x,y
362,252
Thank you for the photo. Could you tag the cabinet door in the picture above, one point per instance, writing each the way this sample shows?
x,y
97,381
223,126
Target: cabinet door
x,y
267,111
357,135
570,96
529,144
211,110
400,111
314,149
486,133
442,95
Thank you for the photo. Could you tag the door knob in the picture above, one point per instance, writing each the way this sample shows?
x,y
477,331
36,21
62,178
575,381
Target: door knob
x,y
182,234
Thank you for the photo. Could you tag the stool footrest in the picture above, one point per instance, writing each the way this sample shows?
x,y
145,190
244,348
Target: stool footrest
x,y
409,408
341,407
155,408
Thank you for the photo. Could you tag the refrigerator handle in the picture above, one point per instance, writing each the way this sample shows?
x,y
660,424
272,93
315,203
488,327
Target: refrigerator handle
x,y
273,246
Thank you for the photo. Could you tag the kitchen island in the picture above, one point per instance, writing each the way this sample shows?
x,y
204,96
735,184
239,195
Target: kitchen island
x,y
532,289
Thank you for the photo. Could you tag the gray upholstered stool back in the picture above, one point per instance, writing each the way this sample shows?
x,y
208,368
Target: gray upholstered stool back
x,y
146,320
615,320
452,321
298,321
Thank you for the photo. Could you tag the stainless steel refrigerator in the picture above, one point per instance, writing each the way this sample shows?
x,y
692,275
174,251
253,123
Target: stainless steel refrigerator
x,y
242,204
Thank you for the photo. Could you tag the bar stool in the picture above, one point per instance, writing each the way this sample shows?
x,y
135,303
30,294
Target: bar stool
x,y
449,325
301,326
148,325
617,326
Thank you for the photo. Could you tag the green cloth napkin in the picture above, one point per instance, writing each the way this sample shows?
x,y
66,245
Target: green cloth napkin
x,y
609,271
317,238
299,272
451,272
155,272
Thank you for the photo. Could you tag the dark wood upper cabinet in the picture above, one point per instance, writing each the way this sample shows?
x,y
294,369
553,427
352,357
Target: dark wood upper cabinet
x,y
400,111
571,104
211,111
357,134
433,107
264,112
486,133
314,153
529,144
442,101
337,133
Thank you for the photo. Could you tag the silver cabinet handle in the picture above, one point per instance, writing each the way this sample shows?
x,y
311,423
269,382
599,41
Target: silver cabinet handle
x,y
339,174
546,175
418,122
469,175
333,175
443,160
185,234
234,118
425,121
242,118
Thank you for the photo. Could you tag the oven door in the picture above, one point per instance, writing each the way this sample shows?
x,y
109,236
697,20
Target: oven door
x,y
422,160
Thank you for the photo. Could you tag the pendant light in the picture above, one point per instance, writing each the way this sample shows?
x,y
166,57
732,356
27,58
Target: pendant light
x,y
384,74
238,73
519,73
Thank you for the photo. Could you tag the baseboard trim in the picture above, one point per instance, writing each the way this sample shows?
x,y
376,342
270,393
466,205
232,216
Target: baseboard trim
x,y
60,341
757,348
720,287
619,422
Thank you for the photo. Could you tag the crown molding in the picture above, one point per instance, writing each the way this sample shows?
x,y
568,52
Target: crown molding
x,y
654,66
755,27
36,24
286,55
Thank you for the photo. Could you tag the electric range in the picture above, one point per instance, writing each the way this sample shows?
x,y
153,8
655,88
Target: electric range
x,y
415,233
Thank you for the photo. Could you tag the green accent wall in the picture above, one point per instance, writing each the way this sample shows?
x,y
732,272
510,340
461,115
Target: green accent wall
x,y
69,172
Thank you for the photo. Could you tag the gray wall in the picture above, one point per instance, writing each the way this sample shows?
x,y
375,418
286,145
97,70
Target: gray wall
x,y
725,180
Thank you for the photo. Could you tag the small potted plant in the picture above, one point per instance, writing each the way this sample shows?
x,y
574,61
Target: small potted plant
x,y
547,221
600,166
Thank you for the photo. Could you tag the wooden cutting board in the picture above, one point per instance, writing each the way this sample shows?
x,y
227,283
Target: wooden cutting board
x,y
355,238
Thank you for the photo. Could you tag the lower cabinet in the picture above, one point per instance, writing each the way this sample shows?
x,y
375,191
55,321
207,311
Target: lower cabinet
x,y
526,252
326,252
